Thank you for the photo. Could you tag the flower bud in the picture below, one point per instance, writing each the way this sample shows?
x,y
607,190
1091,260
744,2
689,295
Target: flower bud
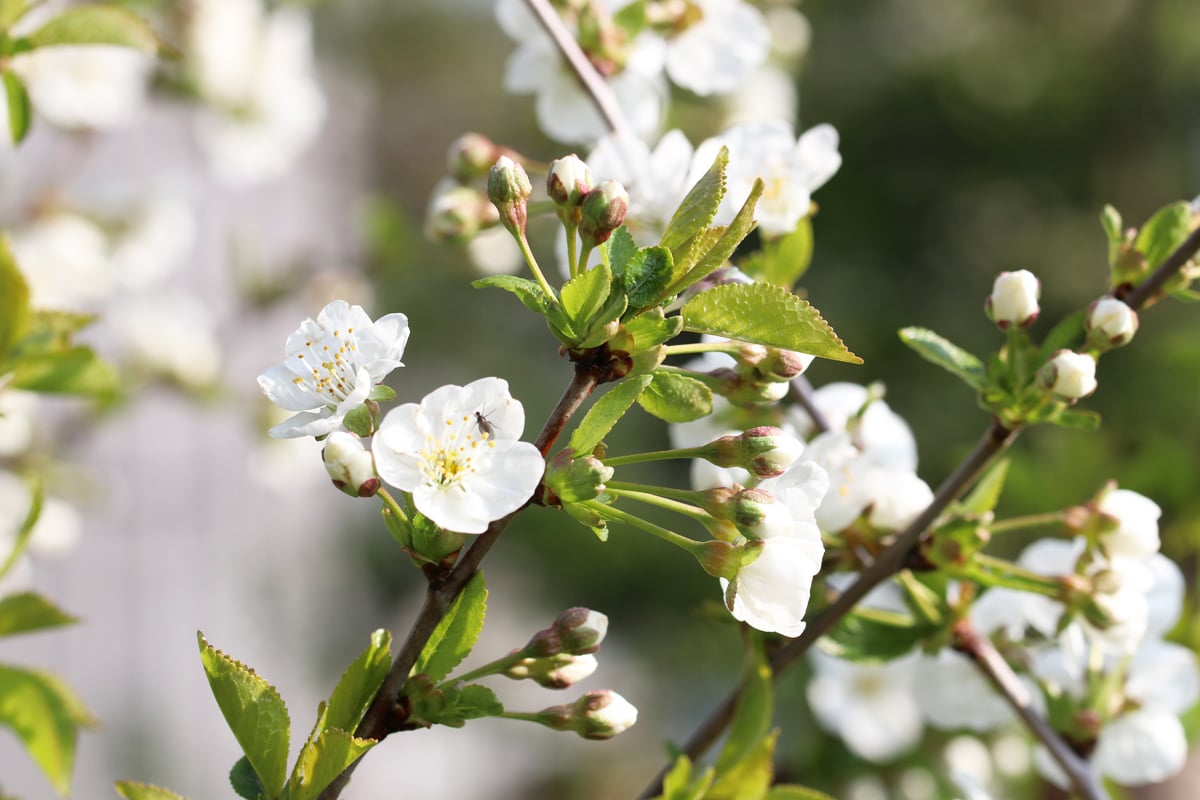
x,y
471,156
603,211
1014,299
759,515
1069,375
1110,323
456,213
576,631
509,189
745,391
573,480
783,365
554,672
722,559
568,181
600,714
350,465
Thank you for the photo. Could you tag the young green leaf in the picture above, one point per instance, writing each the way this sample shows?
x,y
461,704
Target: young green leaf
x,y
792,792
947,355
145,791
46,716
382,392
359,683
620,247
676,398
679,783
749,778
1065,335
254,712
868,634
1077,419
75,371
698,208
97,24
1163,233
455,635
723,248
322,760
11,11
740,758
464,703
606,412
527,291
761,313
244,781
646,275
986,494
37,496
783,261
20,112
584,295
26,612
14,301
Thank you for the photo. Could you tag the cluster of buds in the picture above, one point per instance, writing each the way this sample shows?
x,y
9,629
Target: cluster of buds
x,y
350,465
764,451
458,207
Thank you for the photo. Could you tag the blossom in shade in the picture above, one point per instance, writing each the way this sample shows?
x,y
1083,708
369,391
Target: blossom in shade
x,y
458,452
330,365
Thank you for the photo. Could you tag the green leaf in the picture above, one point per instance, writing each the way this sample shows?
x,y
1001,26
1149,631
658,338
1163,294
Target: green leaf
x,y
359,420
1077,419
1163,233
37,495
722,249
527,291
760,313
631,18
584,295
947,355
646,276
791,792
382,392
783,261
676,398
463,703
455,635
679,784
254,712
144,791
25,612
652,329
620,247
698,208
752,719
986,494
46,716
1114,229
245,782
870,634
97,24
359,683
75,371
14,300
751,777
323,760
11,11
20,112
605,413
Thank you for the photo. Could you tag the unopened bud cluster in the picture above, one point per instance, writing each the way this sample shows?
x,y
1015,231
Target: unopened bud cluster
x,y
567,183
602,211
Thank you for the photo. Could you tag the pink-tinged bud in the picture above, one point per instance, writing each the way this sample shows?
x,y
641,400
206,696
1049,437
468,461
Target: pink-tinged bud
x,y
764,451
576,631
1014,299
719,559
457,213
746,391
783,365
568,181
603,211
1110,323
600,714
759,515
471,156
509,189
350,465
555,672
1068,375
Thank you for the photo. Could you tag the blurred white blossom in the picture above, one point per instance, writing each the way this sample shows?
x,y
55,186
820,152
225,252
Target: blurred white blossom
x,y
65,260
719,49
871,706
86,86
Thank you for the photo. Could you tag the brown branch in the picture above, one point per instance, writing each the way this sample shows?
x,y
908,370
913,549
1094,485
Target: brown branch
x,y
994,442
1153,285
442,592
998,672
593,83
801,391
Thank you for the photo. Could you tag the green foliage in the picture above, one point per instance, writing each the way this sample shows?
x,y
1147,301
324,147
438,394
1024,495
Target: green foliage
x,y
254,712
715,246
456,633
382,392
323,759
589,311
986,492
457,703
46,716
26,612
869,634
244,781
14,300
358,684
359,420
1163,233
698,208
947,355
646,276
619,248
428,543
21,541
681,784
77,370
20,112
97,24
744,766
676,398
790,792
783,261
605,413
144,791
761,313
1065,335
527,291
11,11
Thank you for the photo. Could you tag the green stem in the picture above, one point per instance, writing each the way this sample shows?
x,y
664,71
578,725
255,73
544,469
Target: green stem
x,y
584,254
1028,521
671,537
702,347
657,455
392,505
1013,576
523,716
654,497
523,243
572,249
492,668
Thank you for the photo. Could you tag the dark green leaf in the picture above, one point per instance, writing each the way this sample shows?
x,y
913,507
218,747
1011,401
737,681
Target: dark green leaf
x,y
676,398
869,634
456,633
646,276
20,112
698,208
245,782
144,791
46,716
359,683
14,301
947,355
322,760
621,248
606,412
527,291
761,313
97,24
254,712
1163,233
25,612
1077,419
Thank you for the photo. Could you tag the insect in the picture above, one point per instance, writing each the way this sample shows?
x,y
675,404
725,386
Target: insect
x,y
485,425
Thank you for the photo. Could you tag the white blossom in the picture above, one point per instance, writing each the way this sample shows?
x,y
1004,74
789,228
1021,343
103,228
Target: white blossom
x,y
878,431
85,86
871,706
657,179
17,411
716,53
462,474
1014,299
65,260
331,363
1136,518
954,694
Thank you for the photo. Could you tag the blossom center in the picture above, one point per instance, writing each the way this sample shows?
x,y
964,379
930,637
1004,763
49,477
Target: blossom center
x,y
448,460
332,366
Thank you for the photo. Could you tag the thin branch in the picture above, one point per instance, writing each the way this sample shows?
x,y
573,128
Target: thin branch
x,y
593,83
998,672
1167,270
802,392
994,442
442,593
